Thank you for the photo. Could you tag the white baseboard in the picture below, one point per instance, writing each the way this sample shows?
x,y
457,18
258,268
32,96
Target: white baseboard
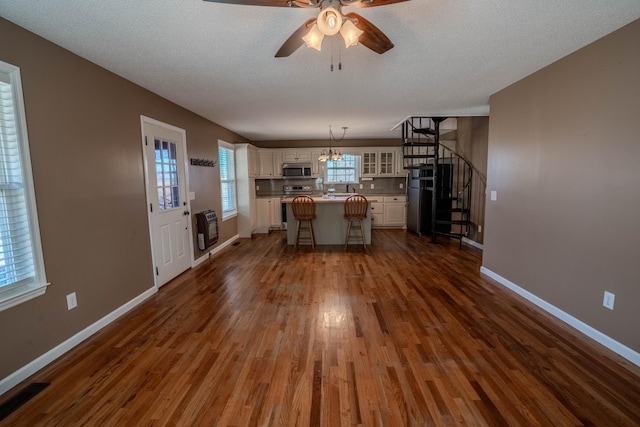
x,y
34,366
472,243
215,250
613,345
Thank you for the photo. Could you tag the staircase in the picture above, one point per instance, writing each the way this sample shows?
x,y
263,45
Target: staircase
x,y
444,178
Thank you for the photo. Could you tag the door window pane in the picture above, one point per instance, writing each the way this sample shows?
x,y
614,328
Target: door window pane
x,y
167,174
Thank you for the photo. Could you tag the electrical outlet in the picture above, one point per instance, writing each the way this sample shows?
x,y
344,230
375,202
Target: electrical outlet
x,y
361,186
257,188
72,302
609,300
372,186
401,186
494,195
479,229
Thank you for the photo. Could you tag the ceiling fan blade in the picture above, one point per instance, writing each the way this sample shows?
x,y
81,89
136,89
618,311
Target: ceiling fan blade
x,y
276,3
295,40
372,3
372,37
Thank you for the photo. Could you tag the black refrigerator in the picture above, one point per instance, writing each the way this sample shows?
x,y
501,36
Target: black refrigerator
x,y
420,197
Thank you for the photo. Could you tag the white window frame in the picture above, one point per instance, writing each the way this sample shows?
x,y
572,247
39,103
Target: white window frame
x,y
36,285
229,213
328,167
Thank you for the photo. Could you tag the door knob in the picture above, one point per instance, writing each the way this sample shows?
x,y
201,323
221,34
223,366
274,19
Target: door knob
x,y
186,212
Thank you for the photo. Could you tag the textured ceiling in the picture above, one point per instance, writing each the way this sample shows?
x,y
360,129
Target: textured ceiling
x,y
217,60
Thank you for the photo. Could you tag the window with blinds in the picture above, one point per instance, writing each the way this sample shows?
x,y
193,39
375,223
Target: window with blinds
x,y
344,171
21,266
227,179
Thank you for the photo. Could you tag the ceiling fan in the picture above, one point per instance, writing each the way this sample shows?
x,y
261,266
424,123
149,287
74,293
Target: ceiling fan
x,y
353,27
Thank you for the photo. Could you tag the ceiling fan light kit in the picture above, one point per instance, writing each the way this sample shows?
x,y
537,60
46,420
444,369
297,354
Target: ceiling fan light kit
x,y
350,33
329,21
314,38
352,27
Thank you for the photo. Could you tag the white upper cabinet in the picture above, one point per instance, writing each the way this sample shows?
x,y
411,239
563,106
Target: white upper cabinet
x,y
317,168
265,163
386,163
400,170
378,162
277,164
369,164
301,156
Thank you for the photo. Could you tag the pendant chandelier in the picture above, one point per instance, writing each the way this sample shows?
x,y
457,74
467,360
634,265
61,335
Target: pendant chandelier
x,y
332,155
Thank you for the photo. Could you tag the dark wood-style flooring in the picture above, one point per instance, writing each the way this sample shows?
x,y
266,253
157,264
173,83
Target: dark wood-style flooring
x,y
405,334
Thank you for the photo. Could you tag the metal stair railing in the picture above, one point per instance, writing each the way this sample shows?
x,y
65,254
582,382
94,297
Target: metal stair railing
x,y
452,193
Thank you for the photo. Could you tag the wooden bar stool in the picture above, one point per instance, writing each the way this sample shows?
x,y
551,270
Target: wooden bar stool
x,y
304,210
355,211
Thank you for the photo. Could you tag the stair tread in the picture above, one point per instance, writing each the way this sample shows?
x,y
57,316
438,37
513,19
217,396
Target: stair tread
x,y
418,156
454,235
424,131
458,210
453,221
419,144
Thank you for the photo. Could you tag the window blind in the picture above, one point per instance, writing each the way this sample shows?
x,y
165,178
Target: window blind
x,y
227,179
16,252
344,171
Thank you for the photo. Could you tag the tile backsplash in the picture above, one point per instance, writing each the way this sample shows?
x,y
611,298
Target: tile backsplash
x,y
382,186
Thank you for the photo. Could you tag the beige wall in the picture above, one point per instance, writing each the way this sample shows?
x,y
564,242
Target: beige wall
x,y
564,158
84,132
472,143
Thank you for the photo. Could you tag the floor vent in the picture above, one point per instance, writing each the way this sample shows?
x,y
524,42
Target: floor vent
x,y
29,392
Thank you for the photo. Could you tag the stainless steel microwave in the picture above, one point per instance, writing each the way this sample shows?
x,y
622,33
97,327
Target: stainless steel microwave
x,y
296,170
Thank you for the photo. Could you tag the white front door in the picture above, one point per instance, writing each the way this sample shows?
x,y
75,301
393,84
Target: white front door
x,y
169,223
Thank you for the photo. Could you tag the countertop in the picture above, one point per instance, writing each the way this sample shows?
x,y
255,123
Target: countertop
x,y
321,199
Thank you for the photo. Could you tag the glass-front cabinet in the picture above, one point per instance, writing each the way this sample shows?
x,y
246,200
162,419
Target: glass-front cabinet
x,y
369,163
378,163
386,164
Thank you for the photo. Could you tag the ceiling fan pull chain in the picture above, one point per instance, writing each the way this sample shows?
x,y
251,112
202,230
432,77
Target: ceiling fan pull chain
x,y
332,58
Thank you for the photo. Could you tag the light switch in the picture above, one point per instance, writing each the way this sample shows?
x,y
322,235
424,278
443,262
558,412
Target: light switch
x,y
192,195
494,195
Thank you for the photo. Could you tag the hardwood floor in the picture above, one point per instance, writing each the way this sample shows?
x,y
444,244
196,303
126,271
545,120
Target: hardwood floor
x,y
404,334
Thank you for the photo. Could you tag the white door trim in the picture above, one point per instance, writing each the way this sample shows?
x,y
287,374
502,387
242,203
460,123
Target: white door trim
x,y
148,120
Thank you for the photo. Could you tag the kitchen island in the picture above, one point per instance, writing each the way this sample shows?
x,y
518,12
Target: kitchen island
x,y
330,226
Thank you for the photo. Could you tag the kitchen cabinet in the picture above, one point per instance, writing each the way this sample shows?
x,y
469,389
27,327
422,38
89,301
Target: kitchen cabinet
x,y
252,160
275,213
317,167
268,214
389,211
246,171
378,163
400,170
369,163
377,214
386,166
296,156
263,209
277,164
265,163
395,211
